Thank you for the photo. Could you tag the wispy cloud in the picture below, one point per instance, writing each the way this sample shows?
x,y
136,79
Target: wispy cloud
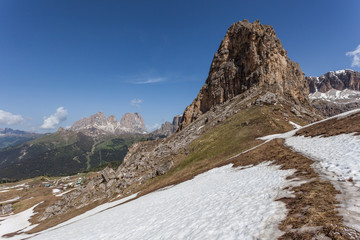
x,y
136,102
151,128
148,80
59,116
356,57
8,118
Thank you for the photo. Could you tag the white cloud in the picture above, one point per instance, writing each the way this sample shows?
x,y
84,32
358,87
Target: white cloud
x,y
9,118
59,116
153,127
356,57
136,102
149,81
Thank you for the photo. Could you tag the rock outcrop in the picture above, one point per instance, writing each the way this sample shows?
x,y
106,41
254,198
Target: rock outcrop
x,y
6,209
99,124
249,56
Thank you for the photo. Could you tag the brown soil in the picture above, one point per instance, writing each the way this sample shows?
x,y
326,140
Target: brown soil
x,y
333,127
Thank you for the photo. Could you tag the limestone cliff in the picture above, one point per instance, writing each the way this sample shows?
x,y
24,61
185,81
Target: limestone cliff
x,y
250,55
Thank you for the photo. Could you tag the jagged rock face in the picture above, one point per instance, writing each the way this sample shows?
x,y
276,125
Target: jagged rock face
x,y
249,56
177,120
99,124
339,80
96,120
133,121
335,92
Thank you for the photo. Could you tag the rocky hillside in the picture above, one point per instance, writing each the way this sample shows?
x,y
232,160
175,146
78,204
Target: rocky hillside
x,y
11,137
98,124
335,92
250,55
253,89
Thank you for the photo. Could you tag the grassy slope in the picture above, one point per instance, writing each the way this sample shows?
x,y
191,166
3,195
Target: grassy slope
x,y
235,135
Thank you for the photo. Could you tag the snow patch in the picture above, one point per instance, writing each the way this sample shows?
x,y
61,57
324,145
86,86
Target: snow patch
x,y
296,126
17,222
10,200
334,94
55,191
338,159
60,194
339,154
223,203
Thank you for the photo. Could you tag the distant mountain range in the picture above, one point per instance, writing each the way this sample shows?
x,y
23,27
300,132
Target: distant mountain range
x,y
11,137
98,124
91,143
335,92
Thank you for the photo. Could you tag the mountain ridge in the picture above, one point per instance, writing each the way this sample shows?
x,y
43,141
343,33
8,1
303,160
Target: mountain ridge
x,y
99,124
335,91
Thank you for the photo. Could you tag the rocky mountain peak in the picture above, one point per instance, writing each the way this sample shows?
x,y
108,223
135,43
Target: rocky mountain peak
x,y
250,55
133,121
112,119
97,119
98,124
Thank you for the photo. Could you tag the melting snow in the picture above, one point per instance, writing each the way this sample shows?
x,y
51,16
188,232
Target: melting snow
x,y
339,154
55,190
10,200
296,126
63,193
334,94
17,222
223,203
338,159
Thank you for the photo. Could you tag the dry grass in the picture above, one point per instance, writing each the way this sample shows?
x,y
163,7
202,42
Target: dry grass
x,y
312,212
333,127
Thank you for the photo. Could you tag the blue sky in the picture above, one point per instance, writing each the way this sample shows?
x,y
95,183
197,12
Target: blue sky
x,y
64,60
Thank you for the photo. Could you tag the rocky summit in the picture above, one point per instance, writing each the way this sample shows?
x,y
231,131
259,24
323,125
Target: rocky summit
x,y
133,123
250,55
99,124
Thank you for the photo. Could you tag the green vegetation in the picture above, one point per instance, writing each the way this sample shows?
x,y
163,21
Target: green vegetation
x,y
62,154
8,141
233,136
